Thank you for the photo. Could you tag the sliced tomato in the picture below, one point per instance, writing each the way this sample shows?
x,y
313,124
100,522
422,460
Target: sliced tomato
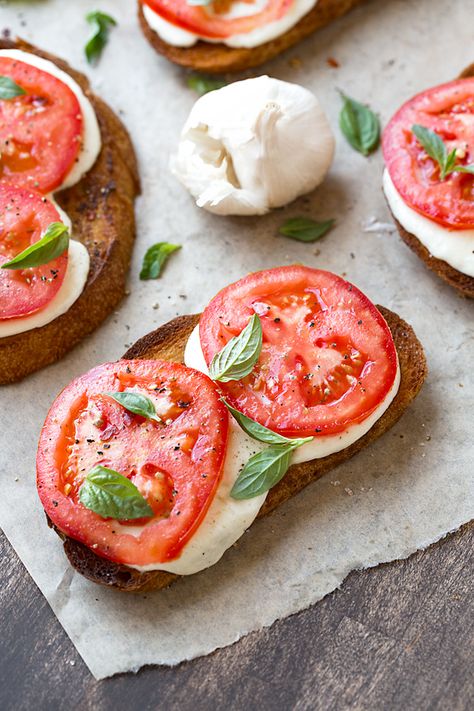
x,y
176,464
210,21
24,217
40,131
328,358
449,111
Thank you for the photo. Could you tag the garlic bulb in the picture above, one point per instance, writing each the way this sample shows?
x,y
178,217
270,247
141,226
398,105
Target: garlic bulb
x,y
252,146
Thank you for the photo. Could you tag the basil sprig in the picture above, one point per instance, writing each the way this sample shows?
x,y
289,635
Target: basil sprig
x,y
436,149
203,85
101,24
304,229
359,125
155,258
264,469
9,89
256,430
54,242
239,356
112,495
136,403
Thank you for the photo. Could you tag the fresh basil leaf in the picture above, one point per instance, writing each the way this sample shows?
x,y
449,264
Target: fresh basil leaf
x,y
239,356
9,89
262,471
112,495
463,169
136,403
101,24
359,125
304,229
54,242
155,258
203,85
436,149
261,433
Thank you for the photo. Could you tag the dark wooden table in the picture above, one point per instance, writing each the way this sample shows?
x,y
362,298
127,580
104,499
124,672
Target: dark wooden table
x,y
400,636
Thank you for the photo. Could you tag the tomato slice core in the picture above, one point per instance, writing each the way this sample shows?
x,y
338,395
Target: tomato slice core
x,y
40,131
448,110
328,358
24,217
176,464
210,21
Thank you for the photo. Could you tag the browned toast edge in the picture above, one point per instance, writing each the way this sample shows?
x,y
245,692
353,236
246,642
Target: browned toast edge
x,y
218,58
167,343
101,207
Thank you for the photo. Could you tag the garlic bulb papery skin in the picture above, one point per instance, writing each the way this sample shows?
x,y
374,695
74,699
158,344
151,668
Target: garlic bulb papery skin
x,y
252,146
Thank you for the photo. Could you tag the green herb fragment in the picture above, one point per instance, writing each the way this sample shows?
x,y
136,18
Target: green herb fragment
x,y
111,495
203,85
261,433
239,356
101,25
359,125
136,403
304,229
155,258
54,242
436,149
9,89
264,470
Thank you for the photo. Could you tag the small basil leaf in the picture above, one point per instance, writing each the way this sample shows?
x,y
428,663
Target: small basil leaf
x,y
304,229
261,433
112,495
101,24
203,85
262,471
239,356
434,147
54,242
9,89
155,258
136,403
359,125
464,169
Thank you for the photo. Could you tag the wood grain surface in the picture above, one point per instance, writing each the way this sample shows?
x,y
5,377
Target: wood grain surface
x,y
400,636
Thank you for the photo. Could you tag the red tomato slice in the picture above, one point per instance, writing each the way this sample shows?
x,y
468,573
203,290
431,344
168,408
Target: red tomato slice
x,y
40,131
207,22
449,111
24,217
328,357
176,465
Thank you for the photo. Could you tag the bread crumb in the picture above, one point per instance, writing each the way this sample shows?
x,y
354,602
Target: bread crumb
x,y
295,62
349,491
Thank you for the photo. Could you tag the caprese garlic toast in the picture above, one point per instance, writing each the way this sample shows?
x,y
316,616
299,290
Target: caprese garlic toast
x,y
68,179
428,181
149,469
233,35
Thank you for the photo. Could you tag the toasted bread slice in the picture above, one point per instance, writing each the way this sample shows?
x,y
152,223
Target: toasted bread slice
x,y
101,207
214,58
168,343
463,283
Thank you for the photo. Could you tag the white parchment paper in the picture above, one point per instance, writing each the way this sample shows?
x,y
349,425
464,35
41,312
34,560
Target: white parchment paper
x,y
406,491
